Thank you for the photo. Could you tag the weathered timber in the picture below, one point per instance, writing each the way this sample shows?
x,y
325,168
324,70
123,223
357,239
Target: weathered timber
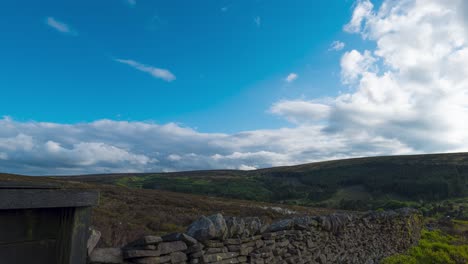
x,y
44,224
45,198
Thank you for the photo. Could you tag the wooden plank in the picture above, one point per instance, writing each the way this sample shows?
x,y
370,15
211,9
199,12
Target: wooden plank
x,y
27,185
29,198
79,235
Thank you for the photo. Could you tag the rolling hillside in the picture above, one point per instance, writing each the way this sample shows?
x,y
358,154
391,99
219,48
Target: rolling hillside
x,y
358,184
134,204
124,214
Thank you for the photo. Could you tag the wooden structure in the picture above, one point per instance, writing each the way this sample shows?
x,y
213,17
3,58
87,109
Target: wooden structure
x,y
44,224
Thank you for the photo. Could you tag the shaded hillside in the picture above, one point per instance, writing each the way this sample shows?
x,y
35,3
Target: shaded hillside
x,y
360,183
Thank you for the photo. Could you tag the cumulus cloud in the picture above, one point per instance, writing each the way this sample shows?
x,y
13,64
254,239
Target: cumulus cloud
x,y
337,45
106,146
291,77
411,89
354,64
409,94
60,26
362,10
159,73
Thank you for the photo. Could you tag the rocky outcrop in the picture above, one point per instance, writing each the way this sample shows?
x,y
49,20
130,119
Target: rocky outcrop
x,y
338,238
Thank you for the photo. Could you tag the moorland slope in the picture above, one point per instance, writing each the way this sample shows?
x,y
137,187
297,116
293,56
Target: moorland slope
x,y
386,182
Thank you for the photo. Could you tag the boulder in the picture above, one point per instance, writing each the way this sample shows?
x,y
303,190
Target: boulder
x,y
203,229
235,226
305,222
253,226
285,224
220,225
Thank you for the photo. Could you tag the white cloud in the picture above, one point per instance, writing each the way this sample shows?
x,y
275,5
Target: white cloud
x,y
111,146
354,65
362,10
337,45
246,167
291,77
300,111
412,89
91,153
159,73
59,26
18,142
174,157
409,94
258,21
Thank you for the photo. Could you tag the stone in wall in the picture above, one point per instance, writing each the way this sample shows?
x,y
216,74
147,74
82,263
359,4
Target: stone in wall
x,y
338,238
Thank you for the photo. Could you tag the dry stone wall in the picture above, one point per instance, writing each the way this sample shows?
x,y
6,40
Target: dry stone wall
x,y
338,238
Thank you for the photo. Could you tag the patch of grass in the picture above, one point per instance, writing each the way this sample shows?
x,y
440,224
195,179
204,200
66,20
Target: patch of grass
x,y
434,248
133,181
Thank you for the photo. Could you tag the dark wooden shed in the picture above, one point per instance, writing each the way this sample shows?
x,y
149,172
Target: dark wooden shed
x,y
44,223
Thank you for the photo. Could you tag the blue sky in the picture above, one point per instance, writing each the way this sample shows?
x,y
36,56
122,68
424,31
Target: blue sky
x,y
227,65
153,85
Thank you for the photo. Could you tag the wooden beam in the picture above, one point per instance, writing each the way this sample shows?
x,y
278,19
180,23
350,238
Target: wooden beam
x,y
43,198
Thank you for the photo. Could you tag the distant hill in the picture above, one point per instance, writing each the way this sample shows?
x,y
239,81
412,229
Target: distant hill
x,y
360,183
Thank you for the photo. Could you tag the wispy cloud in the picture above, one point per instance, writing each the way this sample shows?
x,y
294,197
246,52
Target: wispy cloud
x,y
60,26
224,8
258,21
159,73
291,77
337,45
